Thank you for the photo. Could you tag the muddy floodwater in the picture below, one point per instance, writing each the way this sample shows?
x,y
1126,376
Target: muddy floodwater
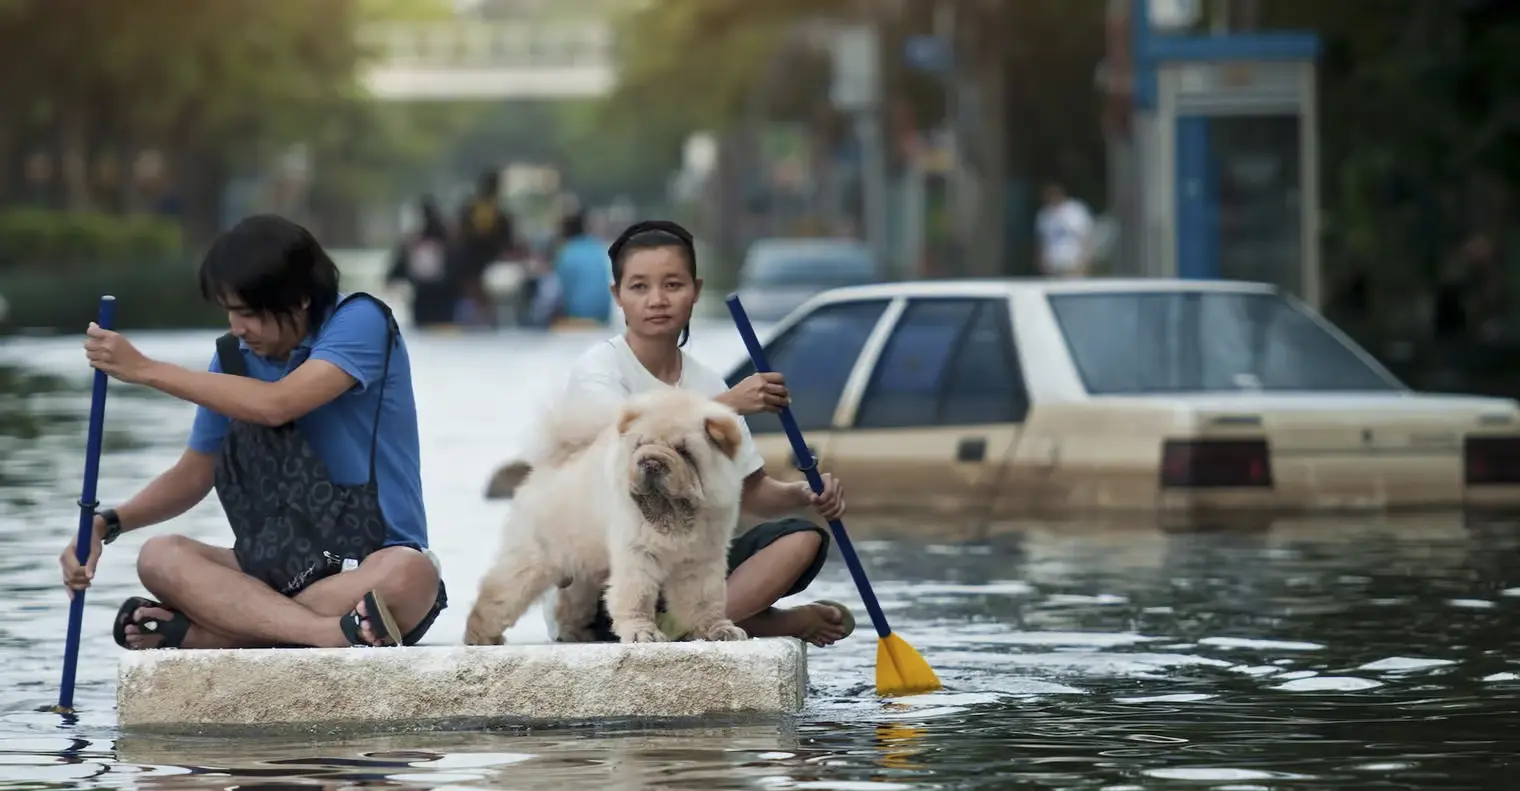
x,y
1337,653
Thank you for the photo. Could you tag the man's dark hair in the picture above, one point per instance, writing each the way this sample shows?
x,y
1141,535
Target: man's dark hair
x,y
488,185
270,265
653,235
573,225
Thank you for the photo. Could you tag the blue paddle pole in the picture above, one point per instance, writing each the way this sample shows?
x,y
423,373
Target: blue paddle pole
x,y
87,505
899,668
809,467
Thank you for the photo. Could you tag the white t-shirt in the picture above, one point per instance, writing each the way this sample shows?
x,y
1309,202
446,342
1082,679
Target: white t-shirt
x,y
610,370
1064,230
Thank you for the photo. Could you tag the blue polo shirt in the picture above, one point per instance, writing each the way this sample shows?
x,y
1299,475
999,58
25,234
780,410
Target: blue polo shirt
x,y
585,278
353,337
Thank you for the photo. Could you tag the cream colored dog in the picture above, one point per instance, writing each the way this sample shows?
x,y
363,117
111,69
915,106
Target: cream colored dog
x,y
644,496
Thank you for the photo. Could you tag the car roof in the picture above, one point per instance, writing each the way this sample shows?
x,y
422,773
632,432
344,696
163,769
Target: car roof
x,y
1014,286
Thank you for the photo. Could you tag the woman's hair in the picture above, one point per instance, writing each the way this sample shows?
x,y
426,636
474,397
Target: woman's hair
x,y
271,265
653,235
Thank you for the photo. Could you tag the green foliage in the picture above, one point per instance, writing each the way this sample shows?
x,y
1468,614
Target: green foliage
x,y
390,149
1416,107
151,294
636,161
53,241
221,85
596,164
690,64
405,10
172,70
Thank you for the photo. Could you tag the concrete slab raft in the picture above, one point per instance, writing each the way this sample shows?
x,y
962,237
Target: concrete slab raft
x,y
456,686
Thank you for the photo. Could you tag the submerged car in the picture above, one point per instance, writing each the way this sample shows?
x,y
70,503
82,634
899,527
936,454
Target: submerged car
x,y
1010,398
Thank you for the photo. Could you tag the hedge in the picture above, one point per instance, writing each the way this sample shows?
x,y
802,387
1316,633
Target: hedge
x,y
54,240
160,295
55,265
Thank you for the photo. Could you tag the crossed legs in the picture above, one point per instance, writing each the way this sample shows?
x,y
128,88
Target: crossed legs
x,y
229,609
770,574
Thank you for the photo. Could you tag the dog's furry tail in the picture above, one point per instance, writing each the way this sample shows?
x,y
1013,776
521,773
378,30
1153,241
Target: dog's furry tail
x,y
506,479
570,429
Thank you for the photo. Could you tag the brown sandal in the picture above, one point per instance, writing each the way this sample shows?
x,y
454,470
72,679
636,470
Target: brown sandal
x,y
381,623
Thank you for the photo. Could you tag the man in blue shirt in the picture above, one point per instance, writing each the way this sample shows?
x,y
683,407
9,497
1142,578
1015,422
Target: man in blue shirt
x,y
307,430
584,272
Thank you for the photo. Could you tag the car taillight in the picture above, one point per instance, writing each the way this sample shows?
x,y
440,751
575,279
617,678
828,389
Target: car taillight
x,y
1214,463
1491,460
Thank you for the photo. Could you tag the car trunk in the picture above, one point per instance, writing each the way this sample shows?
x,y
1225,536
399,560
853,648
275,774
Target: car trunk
x,y
1351,424
1358,449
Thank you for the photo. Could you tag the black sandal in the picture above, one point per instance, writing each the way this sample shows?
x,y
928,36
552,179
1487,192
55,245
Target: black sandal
x,y
172,631
381,623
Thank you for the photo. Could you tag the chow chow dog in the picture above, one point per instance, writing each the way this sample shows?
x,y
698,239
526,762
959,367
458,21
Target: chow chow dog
x,y
643,497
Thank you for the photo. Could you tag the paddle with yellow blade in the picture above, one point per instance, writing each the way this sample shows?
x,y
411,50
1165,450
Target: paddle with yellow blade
x,y
899,668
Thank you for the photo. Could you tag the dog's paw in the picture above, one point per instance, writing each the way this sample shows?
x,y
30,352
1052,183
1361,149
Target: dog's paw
x,y
472,637
644,633
723,630
476,632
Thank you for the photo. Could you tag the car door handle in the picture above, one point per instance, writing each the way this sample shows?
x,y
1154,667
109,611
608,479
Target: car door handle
x,y
971,449
812,451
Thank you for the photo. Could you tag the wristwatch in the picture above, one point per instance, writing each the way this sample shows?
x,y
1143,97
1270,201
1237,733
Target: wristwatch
x,y
113,524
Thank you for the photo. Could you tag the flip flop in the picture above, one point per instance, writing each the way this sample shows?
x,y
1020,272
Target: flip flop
x,y
846,618
172,630
381,623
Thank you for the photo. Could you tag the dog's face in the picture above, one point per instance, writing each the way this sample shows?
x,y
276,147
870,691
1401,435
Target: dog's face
x,y
675,441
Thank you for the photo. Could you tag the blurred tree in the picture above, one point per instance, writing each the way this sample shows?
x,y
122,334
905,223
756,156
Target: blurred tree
x,y
636,163
1025,68
1419,128
206,81
1419,118
217,86
696,61
406,10
719,65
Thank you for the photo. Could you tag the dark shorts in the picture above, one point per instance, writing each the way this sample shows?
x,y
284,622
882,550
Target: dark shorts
x,y
440,603
742,548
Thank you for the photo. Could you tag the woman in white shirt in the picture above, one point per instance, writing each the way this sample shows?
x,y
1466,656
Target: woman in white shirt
x,y
655,284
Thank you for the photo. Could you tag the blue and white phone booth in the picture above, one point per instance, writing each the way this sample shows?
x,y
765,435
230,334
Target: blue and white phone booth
x,y
1227,143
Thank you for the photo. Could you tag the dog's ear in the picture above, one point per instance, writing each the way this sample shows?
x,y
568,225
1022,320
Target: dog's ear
x,y
630,414
724,432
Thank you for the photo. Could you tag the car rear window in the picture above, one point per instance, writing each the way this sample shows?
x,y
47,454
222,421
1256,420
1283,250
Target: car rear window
x,y
1133,343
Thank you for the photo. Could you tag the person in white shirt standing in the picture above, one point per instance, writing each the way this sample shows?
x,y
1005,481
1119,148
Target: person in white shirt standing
x,y
655,284
1065,229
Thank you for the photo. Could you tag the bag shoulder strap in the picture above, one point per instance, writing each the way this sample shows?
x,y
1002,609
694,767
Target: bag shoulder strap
x,y
392,339
229,356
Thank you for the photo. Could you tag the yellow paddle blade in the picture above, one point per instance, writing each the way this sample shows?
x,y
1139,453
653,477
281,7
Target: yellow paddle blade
x,y
900,670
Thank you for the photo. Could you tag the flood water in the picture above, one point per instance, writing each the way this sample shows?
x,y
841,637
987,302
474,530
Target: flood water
x,y
1359,653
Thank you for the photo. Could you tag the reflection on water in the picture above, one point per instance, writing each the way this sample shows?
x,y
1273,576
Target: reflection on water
x,y
1332,653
